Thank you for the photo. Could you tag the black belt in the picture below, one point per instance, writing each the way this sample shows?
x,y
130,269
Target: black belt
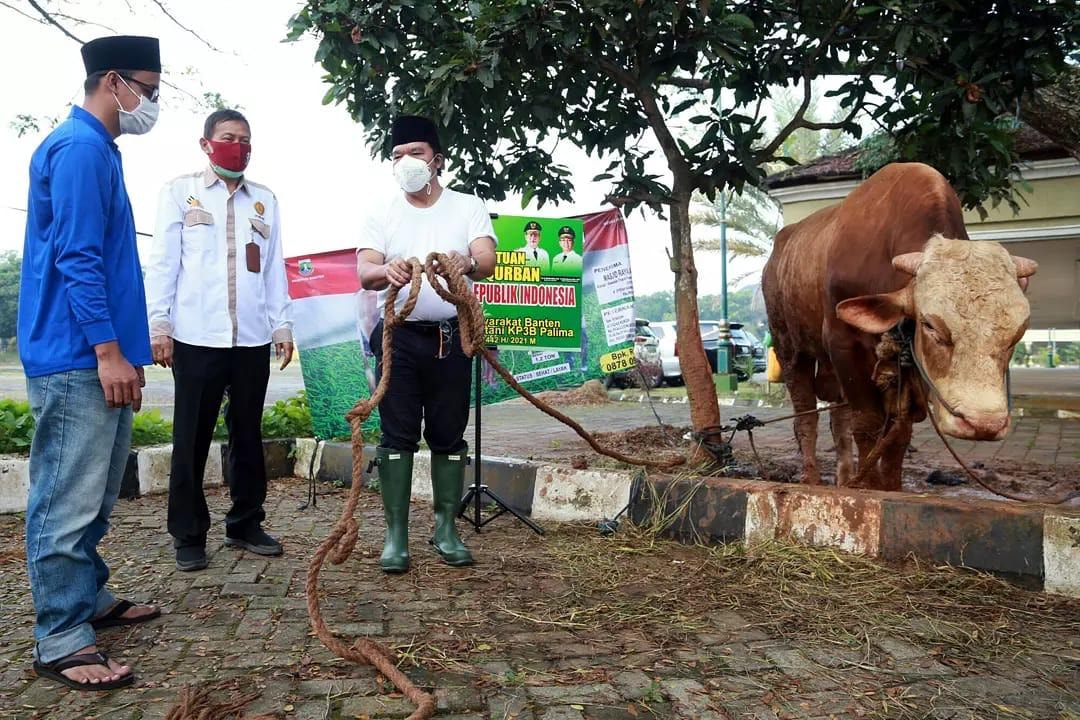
x,y
429,325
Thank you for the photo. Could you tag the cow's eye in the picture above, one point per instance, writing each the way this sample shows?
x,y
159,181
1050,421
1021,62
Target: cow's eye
x,y
939,337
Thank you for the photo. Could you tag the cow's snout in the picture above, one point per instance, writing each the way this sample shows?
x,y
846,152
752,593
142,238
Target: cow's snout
x,y
975,425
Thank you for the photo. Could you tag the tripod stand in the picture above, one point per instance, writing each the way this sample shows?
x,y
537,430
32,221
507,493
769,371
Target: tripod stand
x,y
479,492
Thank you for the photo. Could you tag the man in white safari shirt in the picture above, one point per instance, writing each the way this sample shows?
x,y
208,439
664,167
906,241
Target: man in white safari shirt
x,y
218,298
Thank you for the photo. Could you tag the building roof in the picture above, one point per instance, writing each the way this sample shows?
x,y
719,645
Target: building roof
x,y
1030,144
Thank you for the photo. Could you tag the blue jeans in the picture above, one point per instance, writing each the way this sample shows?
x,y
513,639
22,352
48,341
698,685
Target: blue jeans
x,y
77,461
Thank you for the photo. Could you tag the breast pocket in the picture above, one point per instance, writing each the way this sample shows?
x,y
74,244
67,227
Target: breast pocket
x,y
198,233
255,249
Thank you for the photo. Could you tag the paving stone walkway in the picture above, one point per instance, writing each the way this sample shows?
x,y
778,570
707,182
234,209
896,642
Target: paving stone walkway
x,y
571,626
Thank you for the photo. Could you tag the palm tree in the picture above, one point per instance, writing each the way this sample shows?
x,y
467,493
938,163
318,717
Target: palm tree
x,y
752,217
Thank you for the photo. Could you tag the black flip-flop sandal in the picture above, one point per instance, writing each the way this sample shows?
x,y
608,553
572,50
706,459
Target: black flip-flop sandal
x,y
115,616
53,671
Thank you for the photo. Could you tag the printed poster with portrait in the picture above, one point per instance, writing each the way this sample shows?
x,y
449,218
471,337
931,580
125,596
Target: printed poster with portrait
x,y
532,301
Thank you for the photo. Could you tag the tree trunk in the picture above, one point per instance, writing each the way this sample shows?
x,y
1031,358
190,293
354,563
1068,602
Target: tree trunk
x,y
693,364
1055,110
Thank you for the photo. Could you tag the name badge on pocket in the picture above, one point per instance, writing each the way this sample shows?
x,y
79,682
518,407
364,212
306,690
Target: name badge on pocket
x,y
251,250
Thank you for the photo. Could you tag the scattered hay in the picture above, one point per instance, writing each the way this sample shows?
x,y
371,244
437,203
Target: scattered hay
x,y
638,582
591,393
660,442
197,703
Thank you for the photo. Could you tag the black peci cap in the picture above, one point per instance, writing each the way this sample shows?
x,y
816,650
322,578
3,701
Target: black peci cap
x,y
413,128
122,52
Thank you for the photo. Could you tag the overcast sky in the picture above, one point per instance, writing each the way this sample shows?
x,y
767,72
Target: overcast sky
x,y
311,155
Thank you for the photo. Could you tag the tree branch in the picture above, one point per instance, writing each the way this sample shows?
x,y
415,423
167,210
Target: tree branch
x,y
838,125
52,21
181,25
623,77
635,196
685,82
766,153
26,15
80,21
676,162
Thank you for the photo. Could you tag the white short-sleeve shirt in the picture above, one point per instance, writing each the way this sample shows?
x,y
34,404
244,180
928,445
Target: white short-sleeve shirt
x,y
398,229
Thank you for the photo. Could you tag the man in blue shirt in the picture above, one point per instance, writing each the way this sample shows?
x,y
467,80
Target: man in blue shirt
x,y
83,339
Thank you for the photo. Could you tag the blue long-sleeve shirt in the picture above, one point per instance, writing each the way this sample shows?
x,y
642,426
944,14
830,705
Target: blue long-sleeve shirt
x,y
81,279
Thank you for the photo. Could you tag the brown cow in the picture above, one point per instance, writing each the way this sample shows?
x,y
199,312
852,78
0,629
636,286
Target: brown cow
x,y
895,248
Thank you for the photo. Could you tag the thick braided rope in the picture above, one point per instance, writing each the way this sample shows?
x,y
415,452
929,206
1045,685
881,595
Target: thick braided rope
x,y
341,541
471,327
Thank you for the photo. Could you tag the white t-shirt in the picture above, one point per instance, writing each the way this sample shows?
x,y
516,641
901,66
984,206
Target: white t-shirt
x,y
398,229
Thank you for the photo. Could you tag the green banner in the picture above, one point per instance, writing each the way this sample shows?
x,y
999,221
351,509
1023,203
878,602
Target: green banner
x,y
334,320
532,301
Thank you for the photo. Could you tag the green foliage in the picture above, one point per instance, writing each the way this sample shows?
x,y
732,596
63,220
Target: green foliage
x,y
220,431
288,418
752,219
10,270
1069,352
149,428
16,426
509,79
1020,355
654,694
743,306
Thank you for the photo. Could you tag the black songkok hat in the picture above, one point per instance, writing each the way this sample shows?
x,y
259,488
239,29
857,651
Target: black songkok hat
x,y
567,230
413,128
532,225
122,52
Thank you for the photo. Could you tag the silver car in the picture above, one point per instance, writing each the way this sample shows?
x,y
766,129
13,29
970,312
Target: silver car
x,y
744,348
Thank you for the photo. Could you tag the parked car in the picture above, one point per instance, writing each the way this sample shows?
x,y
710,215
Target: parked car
x,y
740,334
745,345
647,370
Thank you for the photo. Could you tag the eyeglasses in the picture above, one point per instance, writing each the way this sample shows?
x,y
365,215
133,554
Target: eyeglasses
x,y
154,92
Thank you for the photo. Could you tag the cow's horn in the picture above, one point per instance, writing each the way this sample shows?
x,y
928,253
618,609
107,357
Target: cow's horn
x,y
1024,266
908,262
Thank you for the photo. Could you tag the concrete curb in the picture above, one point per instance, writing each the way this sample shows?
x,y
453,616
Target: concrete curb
x,y
147,471
1034,542
1028,541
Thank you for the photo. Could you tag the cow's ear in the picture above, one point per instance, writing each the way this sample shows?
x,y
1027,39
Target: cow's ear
x,y
876,313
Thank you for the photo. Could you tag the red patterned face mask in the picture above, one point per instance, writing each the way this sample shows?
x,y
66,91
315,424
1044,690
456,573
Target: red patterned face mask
x,y
231,156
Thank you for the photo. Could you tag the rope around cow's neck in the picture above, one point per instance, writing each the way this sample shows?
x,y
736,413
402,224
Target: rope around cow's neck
x,y
940,399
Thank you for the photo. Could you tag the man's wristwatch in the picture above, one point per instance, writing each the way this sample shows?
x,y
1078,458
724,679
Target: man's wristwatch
x,y
474,266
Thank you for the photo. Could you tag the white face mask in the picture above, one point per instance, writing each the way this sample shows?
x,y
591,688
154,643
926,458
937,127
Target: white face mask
x,y
412,173
141,119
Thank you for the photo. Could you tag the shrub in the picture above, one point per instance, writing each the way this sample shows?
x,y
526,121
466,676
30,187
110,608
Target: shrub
x,y
288,418
149,428
16,426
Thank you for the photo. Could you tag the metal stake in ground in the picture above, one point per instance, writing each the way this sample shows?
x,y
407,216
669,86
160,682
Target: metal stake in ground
x,y
479,491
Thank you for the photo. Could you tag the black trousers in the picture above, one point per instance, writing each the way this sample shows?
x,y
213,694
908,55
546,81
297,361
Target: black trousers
x,y
424,387
202,376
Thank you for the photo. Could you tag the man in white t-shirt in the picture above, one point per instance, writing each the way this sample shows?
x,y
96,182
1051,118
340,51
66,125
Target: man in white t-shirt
x,y
430,376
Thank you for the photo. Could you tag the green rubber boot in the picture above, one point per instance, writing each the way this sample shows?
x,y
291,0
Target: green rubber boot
x,y
395,486
447,485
